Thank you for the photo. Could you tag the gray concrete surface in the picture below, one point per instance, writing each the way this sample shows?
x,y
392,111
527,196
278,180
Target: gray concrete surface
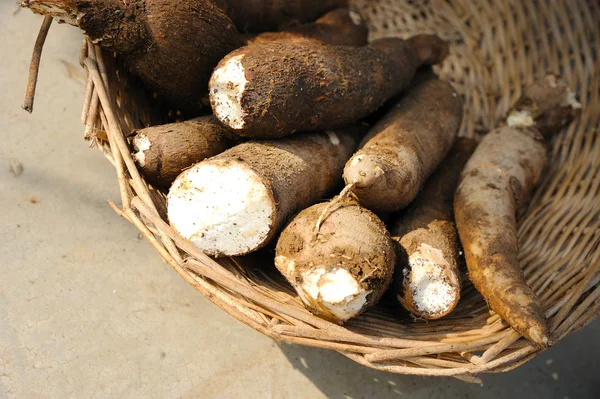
x,y
88,310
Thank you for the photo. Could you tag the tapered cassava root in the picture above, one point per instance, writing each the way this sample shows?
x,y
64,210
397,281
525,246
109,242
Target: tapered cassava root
x,y
427,277
270,15
275,89
340,27
341,268
236,202
495,186
163,152
172,45
404,148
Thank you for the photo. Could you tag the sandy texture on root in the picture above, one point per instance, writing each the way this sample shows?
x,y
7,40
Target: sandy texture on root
x,y
343,270
433,292
226,89
217,199
405,146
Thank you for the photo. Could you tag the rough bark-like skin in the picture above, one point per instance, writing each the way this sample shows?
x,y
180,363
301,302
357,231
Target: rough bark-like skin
x,y
299,170
307,86
496,182
172,45
495,186
266,15
429,221
404,148
177,146
336,27
351,237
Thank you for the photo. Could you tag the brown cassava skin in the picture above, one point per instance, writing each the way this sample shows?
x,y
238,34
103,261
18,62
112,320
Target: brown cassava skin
x,y
336,27
298,171
429,222
265,15
172,45
350,237
495,186
307,86
405,147
177,146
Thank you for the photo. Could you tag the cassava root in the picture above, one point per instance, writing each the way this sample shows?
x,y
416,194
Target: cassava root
x,y
236,202
427,278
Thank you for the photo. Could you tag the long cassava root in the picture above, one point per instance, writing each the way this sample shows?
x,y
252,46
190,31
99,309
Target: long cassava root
x,y
340,27
172,45
340,267
163,152
427,278
235,202
404,148
495,186
275,89
269,15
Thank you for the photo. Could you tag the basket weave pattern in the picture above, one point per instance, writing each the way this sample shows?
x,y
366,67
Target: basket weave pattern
x,y
497,48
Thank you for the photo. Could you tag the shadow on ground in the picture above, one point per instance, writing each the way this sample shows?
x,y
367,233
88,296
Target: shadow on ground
x,y
561,372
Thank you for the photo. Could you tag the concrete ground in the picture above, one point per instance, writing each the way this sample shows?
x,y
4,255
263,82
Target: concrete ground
x,y
87,309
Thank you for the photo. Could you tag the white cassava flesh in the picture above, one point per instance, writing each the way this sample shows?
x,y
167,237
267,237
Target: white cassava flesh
x,y
217,199
431,287
141,144
337,290
226,88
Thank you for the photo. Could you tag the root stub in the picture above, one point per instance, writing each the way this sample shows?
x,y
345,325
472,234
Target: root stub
x,y
344,268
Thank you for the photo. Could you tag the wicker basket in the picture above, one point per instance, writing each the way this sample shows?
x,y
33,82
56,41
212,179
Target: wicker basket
x,y
497,48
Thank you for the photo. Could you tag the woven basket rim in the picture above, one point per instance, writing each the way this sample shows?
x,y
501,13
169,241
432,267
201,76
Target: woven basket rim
x,y
419,349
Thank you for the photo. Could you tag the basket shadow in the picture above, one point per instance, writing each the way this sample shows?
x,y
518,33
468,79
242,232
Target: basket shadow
x,y
562,371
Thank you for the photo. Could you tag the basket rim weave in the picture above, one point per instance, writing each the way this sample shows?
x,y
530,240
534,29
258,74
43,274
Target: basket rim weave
x,y
420,350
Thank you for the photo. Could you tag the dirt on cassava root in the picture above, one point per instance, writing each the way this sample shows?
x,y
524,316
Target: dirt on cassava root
x,y
163,152
269,15
495,186
351,249
295,172
292,87
340,27
172,45
404,148
427,238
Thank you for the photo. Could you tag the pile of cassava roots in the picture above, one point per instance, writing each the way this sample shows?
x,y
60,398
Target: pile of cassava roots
x,y
337,153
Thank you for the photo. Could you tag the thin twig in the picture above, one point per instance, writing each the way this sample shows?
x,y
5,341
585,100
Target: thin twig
x,y
34,66
345,193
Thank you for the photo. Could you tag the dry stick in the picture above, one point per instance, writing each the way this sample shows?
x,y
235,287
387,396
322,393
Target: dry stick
x,y
581,288
34,66
89,90
565,325
351,337
120,151
469,370
386,355
346,192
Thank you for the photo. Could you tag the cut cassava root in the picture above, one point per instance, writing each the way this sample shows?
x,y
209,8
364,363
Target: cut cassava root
x,y
235,202
404,148
163,152
172,45
275,89
427,278
269,15
495,186
340,27
342,267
